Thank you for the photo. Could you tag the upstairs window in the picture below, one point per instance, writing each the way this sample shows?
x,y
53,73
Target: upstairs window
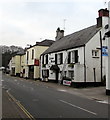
x,y
46,60
60,58
73,57
32,54
69,57
76,56
27,55
95,53
55,58
43,59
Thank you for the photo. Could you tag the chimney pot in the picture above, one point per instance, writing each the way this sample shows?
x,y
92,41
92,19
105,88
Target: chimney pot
x,y
103,12
59,34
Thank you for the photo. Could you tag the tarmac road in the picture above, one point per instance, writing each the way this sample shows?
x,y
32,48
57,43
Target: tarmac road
x,y
43,101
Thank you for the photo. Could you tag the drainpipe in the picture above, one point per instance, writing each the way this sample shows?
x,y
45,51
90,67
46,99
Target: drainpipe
x,y
84,65
101,52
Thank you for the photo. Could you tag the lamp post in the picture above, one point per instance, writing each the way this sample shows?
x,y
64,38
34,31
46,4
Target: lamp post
x,y
107,35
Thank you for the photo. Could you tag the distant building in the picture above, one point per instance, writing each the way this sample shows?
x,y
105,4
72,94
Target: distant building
x,y
33,58
15,64
76,57
22,65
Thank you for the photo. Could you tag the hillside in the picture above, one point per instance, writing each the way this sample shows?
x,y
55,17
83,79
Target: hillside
x,y
7,53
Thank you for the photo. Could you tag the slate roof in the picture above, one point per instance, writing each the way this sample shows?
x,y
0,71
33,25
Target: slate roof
x,y
45,42
20,53
73,40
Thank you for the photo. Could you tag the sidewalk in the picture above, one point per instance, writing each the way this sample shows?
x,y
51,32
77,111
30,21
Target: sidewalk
x,y
94,93
10,109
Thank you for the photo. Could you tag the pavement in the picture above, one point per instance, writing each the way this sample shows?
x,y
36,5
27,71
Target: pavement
x,y
11,110
95,93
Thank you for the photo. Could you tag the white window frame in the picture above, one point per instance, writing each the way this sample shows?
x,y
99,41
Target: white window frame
x,y
94,52
69,74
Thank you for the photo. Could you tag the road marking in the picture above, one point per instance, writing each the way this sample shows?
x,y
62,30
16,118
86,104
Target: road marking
x,y
22,107
102,101
78,107
62,90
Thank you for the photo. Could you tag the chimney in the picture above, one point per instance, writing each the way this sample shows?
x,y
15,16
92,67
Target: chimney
x,y
59,34
102,13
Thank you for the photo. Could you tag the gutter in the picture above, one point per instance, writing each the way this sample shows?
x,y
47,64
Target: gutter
x,y
101,53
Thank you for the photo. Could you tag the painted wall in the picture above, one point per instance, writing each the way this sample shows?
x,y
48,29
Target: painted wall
x,y
17,64
22,65
78,67
93,63
38,50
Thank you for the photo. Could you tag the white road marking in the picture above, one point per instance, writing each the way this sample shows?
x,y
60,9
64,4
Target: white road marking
x,y
2,80
62,90
78,107
104,101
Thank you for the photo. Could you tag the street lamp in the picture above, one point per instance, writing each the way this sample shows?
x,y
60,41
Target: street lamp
x,y
107,35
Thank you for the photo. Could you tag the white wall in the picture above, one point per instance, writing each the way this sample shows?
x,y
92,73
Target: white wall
x,y
91,62
79,66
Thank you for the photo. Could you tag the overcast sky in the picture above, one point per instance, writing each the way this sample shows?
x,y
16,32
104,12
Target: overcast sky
x,y
27,21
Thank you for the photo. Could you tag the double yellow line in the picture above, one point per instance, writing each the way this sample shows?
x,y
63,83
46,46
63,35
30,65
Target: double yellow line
x,y
22,108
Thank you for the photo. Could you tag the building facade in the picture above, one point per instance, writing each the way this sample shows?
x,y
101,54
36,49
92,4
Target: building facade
x,y
33,58
15,64
76,57
22,65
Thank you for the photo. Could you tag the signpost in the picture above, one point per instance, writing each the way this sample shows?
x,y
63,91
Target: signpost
x,y
108,58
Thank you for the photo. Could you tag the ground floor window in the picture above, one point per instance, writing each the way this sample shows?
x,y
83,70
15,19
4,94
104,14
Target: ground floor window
x,y
71,74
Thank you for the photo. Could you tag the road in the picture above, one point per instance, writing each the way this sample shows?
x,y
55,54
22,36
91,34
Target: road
x,y
42,101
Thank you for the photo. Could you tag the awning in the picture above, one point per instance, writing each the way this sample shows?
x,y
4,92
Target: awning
x,y
107,34
55,68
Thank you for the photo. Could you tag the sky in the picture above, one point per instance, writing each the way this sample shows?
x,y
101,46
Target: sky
x,y
25,22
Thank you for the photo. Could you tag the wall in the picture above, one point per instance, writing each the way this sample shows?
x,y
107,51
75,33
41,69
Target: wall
x,y
78,66
17,64
91,62
38,50
22,65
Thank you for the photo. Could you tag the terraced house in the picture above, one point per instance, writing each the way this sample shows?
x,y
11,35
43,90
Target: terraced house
x,y
33,56
15,64
77,58
22,65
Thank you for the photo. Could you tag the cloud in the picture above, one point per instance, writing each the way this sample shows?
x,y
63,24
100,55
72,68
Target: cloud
x,y
25,22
